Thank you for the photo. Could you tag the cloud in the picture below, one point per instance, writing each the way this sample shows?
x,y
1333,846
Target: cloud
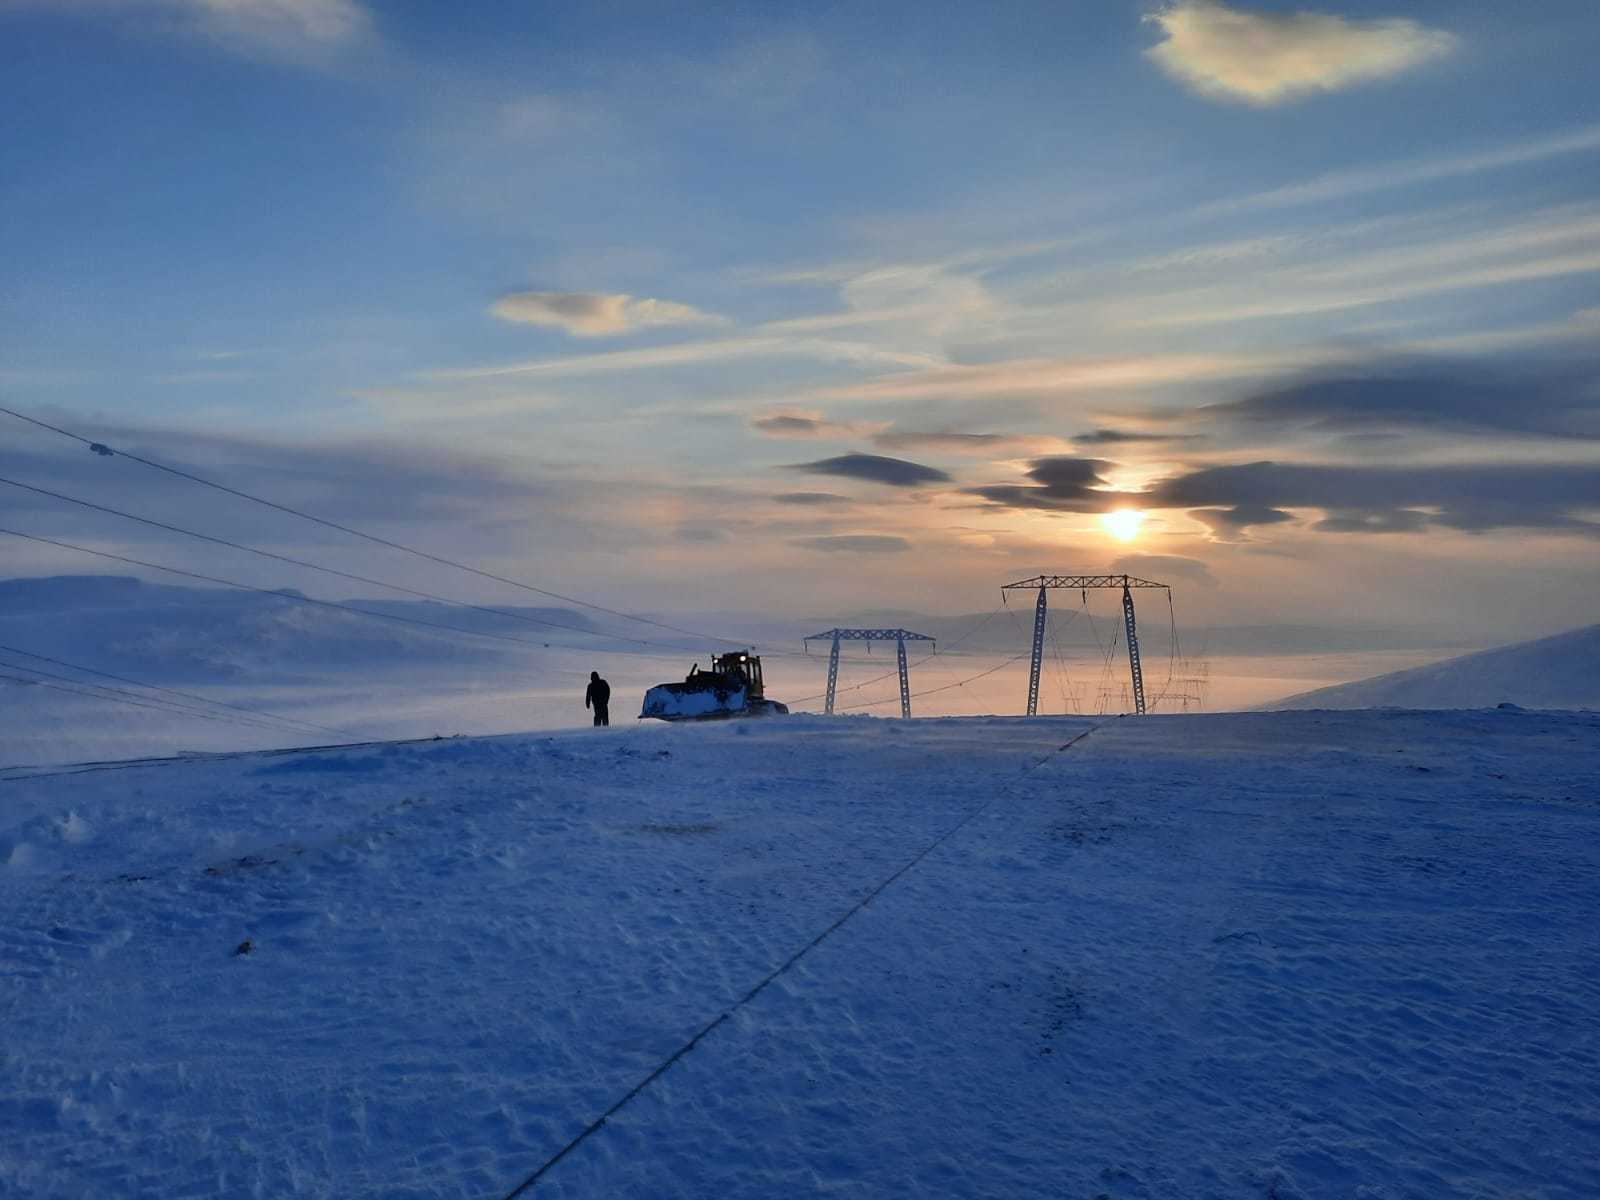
x,y
1363,499
1229,524
1265,58
813,499
1061,484
597,314
968,443
1059,376
1429,396
808,425
1120,437
696,353
855,543
298,30
1359,180
874,468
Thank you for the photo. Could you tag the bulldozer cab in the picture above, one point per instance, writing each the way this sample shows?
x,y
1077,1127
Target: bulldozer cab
x,y
739,664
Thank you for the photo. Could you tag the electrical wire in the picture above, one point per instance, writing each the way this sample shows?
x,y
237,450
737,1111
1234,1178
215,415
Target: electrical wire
x,y
943,687
297,598
119,696
949,647
104,450
299,726
300,562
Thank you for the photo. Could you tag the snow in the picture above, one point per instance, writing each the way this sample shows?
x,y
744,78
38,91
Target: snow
x,y
1286,954
668,702
1554,672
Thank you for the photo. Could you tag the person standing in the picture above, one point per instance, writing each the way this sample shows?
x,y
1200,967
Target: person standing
x,y
598,697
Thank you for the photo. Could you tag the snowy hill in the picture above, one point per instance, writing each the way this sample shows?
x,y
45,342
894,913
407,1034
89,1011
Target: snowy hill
x,y
1283,954
1554,672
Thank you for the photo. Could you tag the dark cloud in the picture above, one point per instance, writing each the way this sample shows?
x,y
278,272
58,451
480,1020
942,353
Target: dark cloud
x,y
1433,396
856,543
814,499
1394,499
1063,484
1229,522
874,468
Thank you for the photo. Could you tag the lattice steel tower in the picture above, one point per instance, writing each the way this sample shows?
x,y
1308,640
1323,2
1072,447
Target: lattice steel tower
x,y
1083,583
898,636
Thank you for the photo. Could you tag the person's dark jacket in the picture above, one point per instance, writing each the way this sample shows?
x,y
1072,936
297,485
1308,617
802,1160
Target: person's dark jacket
x,y
598,695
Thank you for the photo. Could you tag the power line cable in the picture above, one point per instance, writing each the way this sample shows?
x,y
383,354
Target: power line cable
x,y
300,562
943,687
108,451
297,598
119,696
909,666
709,1027
302,726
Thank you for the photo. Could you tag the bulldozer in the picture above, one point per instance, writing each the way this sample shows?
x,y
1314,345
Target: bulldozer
x,y
731,688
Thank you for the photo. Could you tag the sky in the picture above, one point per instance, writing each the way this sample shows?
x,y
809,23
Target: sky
x,y
825,308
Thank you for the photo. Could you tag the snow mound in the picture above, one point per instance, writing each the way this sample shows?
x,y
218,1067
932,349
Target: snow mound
x,y
1554,672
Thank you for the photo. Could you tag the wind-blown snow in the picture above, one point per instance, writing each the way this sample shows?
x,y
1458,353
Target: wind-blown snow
x,y
1290,954
1554,672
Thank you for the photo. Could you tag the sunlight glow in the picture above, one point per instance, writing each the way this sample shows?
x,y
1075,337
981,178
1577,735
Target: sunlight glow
x,y
1123,524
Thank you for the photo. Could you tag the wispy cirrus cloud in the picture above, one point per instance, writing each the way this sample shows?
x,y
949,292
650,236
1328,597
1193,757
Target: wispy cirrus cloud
x,y
1261,58
288,29
855,543
697,352
968,443
1355,181
598,314
809,426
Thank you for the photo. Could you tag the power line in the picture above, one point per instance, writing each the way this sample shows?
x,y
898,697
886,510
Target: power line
x,y
943,687
711,1026
949,647
119,696
299,562
303,726
102,449
295,596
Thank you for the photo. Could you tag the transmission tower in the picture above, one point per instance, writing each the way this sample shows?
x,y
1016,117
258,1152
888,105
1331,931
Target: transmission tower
x,y
898,636
1082,583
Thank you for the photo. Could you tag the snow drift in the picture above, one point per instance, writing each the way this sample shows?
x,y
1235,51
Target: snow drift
x,y
1554,672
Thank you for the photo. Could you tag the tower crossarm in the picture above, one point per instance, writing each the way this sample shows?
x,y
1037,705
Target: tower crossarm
x,y
869,635
1080,582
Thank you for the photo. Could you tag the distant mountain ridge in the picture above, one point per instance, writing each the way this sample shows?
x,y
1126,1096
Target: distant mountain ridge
x,y
160,632
1562,671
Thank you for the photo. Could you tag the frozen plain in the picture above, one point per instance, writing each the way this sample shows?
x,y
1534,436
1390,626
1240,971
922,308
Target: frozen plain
x,y
1307,954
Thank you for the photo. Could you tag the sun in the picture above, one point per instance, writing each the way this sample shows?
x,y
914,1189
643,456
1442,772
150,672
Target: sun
x,y
1123,524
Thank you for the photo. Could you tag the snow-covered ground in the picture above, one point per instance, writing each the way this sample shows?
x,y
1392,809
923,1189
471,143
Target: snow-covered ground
x,y
1257,955
1554,672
